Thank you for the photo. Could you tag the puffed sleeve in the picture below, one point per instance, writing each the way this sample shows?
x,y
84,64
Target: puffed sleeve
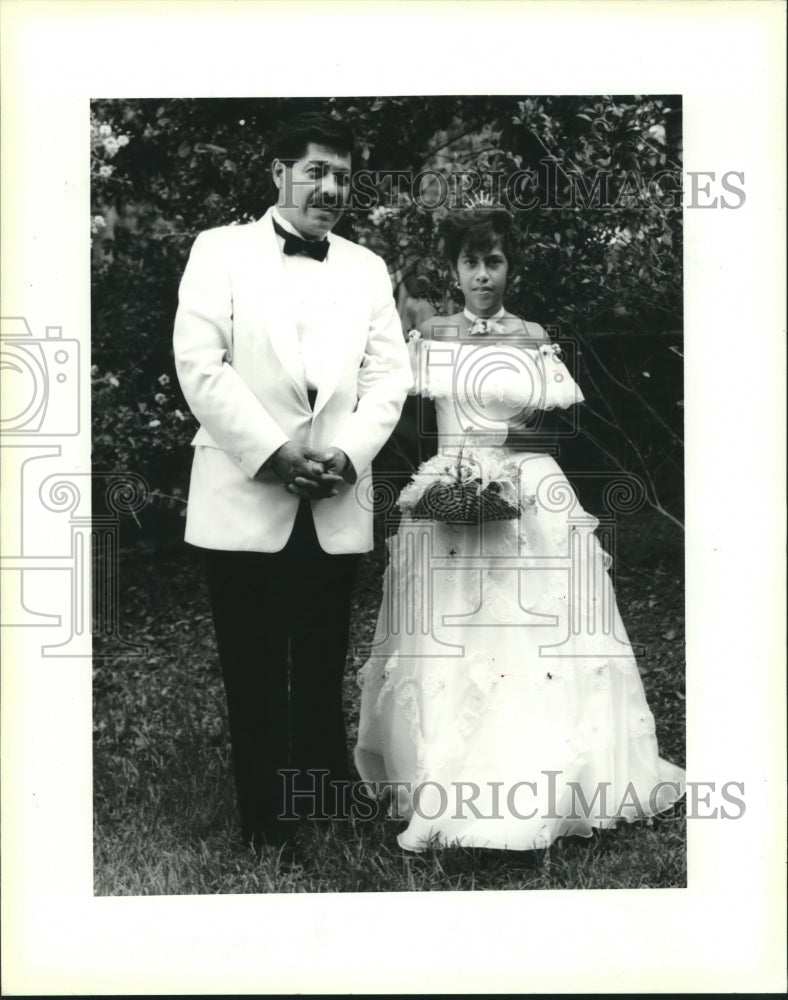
x,y
559,389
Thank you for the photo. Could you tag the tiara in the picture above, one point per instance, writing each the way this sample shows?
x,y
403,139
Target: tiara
x,y
480,199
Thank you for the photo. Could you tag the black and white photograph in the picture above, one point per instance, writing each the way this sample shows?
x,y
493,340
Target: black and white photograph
x,y
447,623
392,467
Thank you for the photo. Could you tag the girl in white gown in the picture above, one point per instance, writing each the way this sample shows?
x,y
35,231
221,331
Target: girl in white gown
x,y
501,704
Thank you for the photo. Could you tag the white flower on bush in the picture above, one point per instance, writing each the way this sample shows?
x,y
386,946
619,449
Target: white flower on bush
x,y
180,415
97,223
160,397
105,130
379,215
154,423
123,140
164,380
111,145
105,170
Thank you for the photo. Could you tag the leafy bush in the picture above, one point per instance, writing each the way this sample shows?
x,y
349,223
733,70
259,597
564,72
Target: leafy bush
x,y
597,183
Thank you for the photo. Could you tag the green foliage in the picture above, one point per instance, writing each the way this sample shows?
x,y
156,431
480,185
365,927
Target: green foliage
x,y
595,180
596,185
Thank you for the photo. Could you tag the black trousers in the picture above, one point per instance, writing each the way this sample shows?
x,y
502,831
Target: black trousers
x,y
282,623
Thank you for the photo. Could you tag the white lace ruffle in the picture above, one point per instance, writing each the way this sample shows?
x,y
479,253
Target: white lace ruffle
x,y
518,377
446,736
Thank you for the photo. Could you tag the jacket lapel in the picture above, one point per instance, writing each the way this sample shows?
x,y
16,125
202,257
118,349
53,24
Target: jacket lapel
x,y
276,309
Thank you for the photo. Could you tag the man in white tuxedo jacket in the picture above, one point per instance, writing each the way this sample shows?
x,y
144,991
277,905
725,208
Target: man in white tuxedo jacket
x,y
290,353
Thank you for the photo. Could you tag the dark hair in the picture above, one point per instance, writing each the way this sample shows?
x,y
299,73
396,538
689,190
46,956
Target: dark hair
x,y
477,229
292,139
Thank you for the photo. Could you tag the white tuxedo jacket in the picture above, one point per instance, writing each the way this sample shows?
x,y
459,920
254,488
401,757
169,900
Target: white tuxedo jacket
x,y
238,361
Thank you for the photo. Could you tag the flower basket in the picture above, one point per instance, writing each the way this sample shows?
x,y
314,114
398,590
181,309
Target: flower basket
x,y
457,494
464,503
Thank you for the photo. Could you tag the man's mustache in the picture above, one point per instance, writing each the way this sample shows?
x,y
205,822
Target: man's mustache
x,y
331,204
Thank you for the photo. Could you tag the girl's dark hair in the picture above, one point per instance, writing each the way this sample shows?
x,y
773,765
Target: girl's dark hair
x,y
477,230
292,139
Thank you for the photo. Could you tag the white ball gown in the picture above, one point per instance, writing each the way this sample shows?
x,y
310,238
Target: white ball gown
x,y
501,703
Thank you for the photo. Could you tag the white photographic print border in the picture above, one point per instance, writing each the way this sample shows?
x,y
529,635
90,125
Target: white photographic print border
x,y
725,931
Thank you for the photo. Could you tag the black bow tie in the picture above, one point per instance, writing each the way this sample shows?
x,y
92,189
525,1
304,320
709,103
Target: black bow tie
x,y
316,249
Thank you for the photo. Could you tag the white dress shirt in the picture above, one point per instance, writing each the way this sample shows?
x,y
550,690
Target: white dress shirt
x,y
310,294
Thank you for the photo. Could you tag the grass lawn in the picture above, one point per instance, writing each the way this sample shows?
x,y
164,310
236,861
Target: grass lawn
x,y
164,808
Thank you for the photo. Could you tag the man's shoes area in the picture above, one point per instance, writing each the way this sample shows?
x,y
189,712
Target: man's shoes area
x,y
278,851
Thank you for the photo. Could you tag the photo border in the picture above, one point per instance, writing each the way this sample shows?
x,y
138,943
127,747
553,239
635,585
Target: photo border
x,y
726,931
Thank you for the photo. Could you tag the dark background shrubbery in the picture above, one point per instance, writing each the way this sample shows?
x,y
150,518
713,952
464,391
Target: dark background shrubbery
x,y
606,278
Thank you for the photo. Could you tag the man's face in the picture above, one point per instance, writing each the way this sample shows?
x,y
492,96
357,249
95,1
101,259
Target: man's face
x,y
314,190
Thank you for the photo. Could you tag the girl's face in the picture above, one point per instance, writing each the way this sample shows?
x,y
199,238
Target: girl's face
x,y
482,277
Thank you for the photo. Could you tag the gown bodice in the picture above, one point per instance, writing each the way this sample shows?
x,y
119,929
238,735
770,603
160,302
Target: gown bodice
x,y
479,385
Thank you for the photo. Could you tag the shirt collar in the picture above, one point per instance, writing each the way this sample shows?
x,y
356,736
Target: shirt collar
x,y
287,226
472,319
